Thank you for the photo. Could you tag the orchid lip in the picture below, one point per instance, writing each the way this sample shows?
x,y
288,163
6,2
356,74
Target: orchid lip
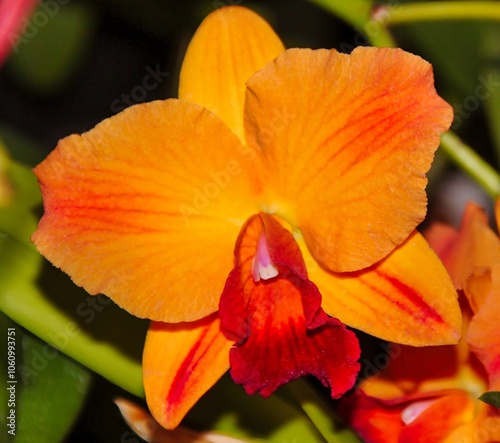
x,y
263,267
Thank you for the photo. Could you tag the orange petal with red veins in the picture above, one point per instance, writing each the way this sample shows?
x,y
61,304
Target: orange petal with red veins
x,y
482,334
407,298
180,363
130,204
430,419
219,61
281,331
345,142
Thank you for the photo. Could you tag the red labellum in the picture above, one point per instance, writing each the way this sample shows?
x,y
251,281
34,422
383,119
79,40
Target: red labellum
x,y
281,331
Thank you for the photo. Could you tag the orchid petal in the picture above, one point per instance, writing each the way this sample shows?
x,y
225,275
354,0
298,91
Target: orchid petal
x,y
482,334
180,363
130,204
409,420
475,248
370,419
439,419
281,333
485,427
345,142
395,300
442,238
229,46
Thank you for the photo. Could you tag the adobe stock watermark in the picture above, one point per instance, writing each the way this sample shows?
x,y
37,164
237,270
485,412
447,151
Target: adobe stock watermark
x,y
138,94
201,196
45,11
382,361
471,103
37,361
91,306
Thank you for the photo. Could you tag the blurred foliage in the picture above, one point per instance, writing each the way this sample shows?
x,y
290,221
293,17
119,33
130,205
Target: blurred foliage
x,y
52,46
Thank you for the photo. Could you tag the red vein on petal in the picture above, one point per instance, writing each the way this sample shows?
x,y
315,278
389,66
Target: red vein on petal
x,y
412,296
185,370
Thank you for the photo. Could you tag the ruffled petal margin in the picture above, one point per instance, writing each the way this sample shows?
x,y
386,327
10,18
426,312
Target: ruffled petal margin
x,y
280,330
345,142
180,363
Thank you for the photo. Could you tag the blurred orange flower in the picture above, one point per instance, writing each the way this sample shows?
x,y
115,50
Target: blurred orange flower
x,y
431,394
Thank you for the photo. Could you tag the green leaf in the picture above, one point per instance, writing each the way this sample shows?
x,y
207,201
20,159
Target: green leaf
x,y
456,58
8,418
492,398
50,49
51,391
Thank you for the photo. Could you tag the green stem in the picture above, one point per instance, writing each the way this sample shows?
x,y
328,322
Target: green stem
x,y
27,306
427,11
467,159
319,412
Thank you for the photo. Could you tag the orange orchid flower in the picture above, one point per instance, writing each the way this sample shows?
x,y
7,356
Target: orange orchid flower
x,y
431,394
275,201
12,15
